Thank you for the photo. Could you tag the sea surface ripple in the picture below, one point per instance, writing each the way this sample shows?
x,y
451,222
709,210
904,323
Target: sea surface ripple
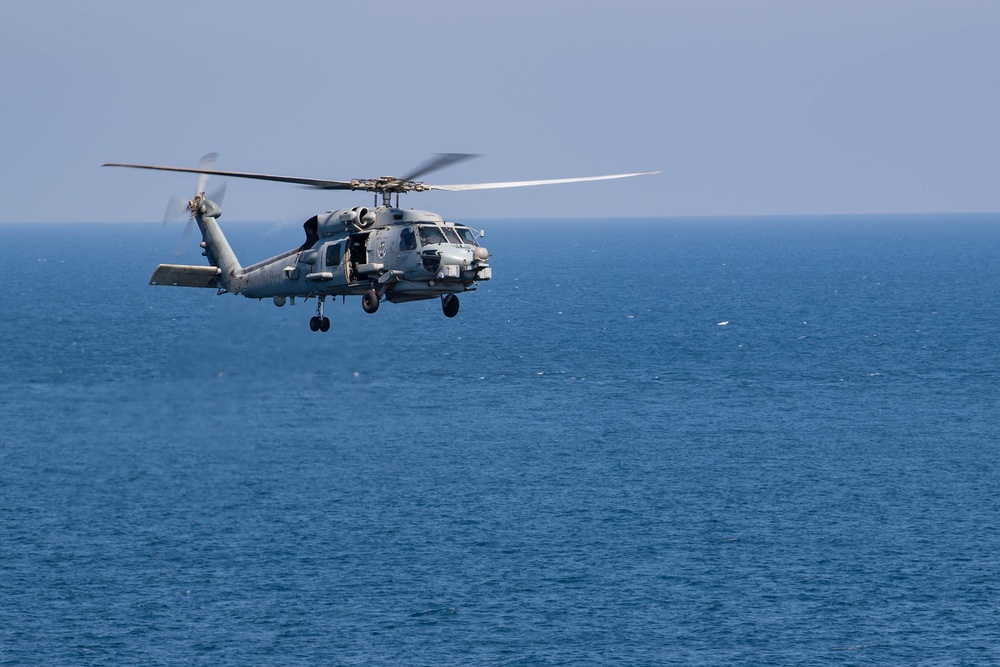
x,y
675,441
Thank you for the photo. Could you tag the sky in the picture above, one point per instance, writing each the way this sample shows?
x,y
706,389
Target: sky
x,y
749,107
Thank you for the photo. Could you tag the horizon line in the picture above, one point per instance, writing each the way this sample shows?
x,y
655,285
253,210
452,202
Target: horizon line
x,y
699,216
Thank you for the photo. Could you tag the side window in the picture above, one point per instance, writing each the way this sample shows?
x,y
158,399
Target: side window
x,y
333,255
407,239
467,235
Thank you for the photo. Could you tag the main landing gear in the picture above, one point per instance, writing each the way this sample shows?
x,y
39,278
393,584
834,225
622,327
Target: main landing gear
x,y
370,301
449,304
319,322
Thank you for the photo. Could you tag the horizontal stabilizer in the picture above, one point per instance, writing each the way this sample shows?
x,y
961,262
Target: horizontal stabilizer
x,y
178,275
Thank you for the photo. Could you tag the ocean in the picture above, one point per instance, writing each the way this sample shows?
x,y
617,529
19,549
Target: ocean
x,y
692,441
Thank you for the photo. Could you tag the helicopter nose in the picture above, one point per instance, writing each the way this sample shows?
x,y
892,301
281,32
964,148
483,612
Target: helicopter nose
x,y
481,254
455,255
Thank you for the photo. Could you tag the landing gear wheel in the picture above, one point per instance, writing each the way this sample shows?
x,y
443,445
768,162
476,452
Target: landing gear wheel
x,y
319,322
370,301
449,304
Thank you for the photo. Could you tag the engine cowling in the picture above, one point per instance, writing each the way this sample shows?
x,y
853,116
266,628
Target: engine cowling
x,y
365,219
358,217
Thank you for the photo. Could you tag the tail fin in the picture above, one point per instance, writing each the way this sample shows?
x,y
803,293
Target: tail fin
x,y
217,248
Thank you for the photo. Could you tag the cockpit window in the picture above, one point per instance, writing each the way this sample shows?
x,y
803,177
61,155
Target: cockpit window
x,y
467,235
449,233
407,239
430,235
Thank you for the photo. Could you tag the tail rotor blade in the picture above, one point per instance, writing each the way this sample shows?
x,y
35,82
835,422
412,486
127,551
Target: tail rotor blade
x,y
218,194
207,162
184,244
176,207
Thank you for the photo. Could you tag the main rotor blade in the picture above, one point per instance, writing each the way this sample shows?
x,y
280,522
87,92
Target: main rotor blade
x,y
521,184
440,161
312,182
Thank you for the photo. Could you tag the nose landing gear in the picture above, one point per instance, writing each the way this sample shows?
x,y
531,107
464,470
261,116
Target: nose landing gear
x,y
319,322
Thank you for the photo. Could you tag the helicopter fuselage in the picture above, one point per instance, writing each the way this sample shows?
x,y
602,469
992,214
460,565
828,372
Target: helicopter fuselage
x,y
382,253
386,253
405,255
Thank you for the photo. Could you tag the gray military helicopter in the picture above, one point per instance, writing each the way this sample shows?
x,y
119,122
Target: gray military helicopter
x,y
382,252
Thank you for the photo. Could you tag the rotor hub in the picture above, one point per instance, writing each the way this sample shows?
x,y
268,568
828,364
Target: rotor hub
x,y
387,185
195,204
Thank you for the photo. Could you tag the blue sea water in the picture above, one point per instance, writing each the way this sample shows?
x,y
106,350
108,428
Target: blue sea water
x,y
676,441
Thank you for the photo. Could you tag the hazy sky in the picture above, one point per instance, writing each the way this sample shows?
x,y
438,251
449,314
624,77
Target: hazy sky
x,y
748,107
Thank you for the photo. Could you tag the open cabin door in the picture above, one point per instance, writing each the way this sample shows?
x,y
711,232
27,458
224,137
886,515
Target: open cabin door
x,y
357,255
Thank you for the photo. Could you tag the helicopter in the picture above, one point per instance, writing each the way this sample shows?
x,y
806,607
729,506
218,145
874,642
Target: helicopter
x,y
378,253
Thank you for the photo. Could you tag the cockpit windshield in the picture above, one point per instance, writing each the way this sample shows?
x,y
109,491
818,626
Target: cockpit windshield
x,y
432,234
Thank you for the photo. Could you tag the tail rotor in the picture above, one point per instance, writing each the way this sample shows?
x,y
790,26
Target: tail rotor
x,y
178,206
